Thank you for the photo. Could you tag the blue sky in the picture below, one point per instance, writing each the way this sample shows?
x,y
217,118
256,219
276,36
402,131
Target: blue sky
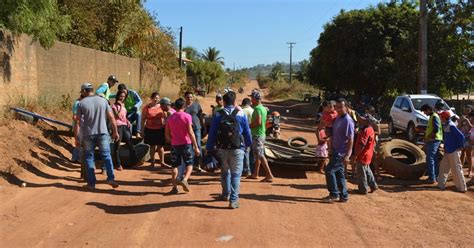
x,y
251,32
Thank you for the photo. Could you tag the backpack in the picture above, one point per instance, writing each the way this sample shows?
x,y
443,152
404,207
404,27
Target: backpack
x,y
228,132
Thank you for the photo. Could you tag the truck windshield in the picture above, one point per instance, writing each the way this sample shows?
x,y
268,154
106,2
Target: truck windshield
x,y
418,102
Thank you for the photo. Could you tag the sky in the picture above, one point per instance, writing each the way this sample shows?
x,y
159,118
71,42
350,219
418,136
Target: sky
x,y
247,32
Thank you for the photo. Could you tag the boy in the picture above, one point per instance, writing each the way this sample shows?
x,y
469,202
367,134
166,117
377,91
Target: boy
x,y
364,151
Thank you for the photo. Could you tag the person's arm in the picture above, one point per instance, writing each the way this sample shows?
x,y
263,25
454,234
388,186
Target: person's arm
x,y
110,115
138,100
143,120
246,131
211,138
459,135
193,139
101,90
257,119
350,141
201,116
77,126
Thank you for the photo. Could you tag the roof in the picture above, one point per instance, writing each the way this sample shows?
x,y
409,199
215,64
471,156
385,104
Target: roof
x,y
425,96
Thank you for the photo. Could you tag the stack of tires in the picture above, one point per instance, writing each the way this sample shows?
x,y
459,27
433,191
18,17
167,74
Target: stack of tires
x,y
410,166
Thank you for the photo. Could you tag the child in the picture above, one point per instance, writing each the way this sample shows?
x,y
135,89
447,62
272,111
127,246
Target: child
x,y
328,116
364,151
322,148
453,144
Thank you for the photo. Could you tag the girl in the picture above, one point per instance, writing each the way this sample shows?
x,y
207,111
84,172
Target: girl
x,y
322,148
123,127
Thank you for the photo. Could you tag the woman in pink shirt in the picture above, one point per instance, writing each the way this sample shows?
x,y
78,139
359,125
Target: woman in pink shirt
x,y
123,127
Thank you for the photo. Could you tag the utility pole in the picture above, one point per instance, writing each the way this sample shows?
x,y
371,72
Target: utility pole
x,y
291,55
422,51
181,47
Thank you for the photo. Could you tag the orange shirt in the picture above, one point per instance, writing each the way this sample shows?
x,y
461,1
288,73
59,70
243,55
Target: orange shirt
x,y
154,116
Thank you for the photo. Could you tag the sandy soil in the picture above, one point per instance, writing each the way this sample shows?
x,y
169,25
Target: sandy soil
x,y
54,209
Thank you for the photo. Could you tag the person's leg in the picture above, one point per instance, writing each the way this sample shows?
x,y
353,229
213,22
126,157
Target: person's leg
x,y
362,179
88,161
443,171
246,162
330,175
225,173
187,156
436,158
430,159
469,161
103,142
251,161
116,151
127,138
161,155
152,155
458,175
371,179
197,133
236,166
256,159
341,181
263,160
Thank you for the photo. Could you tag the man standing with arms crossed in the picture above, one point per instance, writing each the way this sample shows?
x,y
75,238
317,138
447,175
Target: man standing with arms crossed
x,y
195,110
257,125
230,133
92,113
341,145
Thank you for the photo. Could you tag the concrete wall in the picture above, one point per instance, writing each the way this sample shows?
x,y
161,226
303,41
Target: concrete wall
x,y
28,70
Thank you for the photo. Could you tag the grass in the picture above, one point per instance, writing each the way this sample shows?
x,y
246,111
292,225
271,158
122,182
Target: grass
x,y
283,90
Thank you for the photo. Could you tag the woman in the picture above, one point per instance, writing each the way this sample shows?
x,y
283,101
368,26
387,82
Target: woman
x,y
153,119
123,127
465,125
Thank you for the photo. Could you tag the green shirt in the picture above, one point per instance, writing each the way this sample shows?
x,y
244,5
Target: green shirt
x,y
259,131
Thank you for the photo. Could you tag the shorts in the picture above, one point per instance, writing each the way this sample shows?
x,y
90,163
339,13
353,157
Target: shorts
x,y
182,155
258,147
154,137
322,151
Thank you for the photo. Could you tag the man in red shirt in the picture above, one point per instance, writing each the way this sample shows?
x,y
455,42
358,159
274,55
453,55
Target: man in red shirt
x,y
364,151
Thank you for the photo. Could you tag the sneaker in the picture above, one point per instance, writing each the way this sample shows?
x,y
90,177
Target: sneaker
x,y
113,183
343,200
441,186
174,191
184,184
223,198
234,205
330,199
372,190
89,187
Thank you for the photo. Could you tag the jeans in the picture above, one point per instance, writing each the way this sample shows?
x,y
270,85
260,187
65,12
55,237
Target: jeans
x,y
246,169
137,118
76,154
432,165
103,142
365,178
197,134
335,179
125,136
231,171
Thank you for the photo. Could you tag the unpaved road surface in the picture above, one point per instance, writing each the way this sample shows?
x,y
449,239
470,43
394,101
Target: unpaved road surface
x,y
54,210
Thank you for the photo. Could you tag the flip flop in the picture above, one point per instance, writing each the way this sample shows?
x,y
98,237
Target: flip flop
x,y
267,180
251,177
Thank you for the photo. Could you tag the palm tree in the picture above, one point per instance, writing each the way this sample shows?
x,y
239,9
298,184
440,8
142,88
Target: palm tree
x,y
212,54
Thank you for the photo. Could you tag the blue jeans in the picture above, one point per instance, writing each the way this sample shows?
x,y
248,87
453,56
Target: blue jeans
x,y
247,162
432,165
197,134
76,154
137,118
231,171
365,178
335,179
103,142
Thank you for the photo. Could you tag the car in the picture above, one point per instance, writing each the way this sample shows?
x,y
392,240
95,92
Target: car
x,y
405,114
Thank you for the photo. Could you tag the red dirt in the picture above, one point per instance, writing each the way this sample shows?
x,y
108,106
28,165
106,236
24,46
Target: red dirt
x,y
54,210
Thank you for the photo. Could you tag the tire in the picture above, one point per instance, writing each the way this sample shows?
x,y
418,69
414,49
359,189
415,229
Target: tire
x,y
295,145
391,128
411,133
414,165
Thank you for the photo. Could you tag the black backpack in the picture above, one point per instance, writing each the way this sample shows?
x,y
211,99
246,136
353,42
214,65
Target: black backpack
x,y
228,135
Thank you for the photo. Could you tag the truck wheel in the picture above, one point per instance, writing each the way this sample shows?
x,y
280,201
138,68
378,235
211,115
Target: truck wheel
x,y
411,133
402,159
391,128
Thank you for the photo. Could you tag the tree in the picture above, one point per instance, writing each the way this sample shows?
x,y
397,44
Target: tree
x,y
39,18
211,54
191,53
276,72
208,73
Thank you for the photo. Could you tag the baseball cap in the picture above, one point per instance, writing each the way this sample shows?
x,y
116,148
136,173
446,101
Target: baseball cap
x,y
255,94
445,115
165,101
113,77
86,86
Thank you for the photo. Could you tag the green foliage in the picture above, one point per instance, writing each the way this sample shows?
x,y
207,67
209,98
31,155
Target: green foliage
x,y
211,54
276,72
39,18
281,89
191,53
208,73
376,49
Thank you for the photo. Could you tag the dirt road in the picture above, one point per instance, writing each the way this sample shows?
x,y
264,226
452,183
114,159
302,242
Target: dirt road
x,y
54,210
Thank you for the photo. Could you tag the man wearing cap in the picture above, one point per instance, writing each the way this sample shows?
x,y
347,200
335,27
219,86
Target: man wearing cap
x,y
133,105
165,105
433,138
453,144
104,89
258,130
92,113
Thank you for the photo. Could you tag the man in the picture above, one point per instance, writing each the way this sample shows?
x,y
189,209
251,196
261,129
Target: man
x,y
230,133
258,129
104,89
165,104
179,132
220,104
92,113
194,109
133,105
248,158
453,145
433,138
341,145
364,151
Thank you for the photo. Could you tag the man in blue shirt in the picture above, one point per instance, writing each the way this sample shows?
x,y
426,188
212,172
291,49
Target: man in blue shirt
x,y
453,144
104,89
341,145
230,134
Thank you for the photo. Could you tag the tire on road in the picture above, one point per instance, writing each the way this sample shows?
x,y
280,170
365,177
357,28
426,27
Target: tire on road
x,y
292,144
411,166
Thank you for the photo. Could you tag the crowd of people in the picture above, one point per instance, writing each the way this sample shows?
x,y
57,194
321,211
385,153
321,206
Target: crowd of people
x,y
236,139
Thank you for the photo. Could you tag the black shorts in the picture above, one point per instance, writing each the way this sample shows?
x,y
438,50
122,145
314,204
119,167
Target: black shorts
x,y
155,137
182,155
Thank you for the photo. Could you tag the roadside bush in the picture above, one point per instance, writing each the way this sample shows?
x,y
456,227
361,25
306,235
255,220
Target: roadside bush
x,y
296,90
